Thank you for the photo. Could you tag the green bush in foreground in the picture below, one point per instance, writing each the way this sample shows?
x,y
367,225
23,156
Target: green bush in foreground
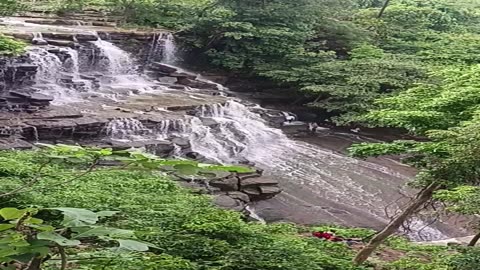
x,y
9,46
188,231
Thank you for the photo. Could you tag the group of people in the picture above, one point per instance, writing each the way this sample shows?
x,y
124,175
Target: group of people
x,y
332,237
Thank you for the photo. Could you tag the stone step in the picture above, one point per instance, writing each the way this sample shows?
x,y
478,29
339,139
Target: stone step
x,y
61,43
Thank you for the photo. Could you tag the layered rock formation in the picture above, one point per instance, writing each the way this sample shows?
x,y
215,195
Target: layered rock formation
x,y
100,96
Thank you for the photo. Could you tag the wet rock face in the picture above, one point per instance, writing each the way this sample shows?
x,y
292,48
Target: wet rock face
x,y
19,101
236,190
16,73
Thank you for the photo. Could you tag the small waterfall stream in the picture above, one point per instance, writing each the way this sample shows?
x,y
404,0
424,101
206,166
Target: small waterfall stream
x,y
170,49
116,61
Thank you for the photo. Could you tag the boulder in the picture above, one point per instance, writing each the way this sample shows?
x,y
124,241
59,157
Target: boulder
x,y
239,196
39,41
20,94
23,36
183,74
53,50
36,97
209,122
89,78
269,191
226,202
244,176
196,83
26,67
177,87
14,143
195,156
61,43
59,36
257,182
226,184
86,37
163,67
161,149
183,143
252,192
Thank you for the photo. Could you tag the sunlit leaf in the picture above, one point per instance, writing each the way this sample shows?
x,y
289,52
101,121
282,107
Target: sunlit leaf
x,y
57,238
11,213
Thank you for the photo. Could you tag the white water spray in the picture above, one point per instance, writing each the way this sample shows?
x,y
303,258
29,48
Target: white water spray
x,y
126,129
116,61
49,65
170,49
73,63
49,72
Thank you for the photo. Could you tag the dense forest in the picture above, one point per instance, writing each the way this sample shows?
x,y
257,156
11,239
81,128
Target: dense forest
x,y
405,64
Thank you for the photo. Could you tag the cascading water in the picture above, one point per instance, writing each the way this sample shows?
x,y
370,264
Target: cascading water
x,y
49,64
120,67
167,128
116,61
50,70
38,38
307,173
170,49
126,129
73,62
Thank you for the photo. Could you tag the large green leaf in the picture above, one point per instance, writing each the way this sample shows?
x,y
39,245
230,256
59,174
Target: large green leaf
x,y
75,217
132,245
6,252
12,213
104,231
4,227
57,238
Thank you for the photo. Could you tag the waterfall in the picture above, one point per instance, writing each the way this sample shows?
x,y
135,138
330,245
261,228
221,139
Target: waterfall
x,y
155,47
116,61
73,63
351,190
167,128
254,215
170,49
50,70
49,64
38,38
126,129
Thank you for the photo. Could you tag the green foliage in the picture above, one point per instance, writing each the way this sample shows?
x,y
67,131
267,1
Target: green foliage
x,y
432,106
10,7
10,46
187,230
468,259
463,199
25,238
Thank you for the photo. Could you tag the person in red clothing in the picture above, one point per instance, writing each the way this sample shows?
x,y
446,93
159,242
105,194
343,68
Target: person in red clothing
x,y
323,235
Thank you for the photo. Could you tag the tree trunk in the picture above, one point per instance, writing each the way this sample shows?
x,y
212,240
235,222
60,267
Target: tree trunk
x,y
384,7
422,198
474,240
